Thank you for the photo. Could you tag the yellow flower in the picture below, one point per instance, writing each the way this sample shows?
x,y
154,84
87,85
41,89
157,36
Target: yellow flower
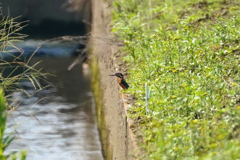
x,y
238,107
220,136
195,121
175,70
183,85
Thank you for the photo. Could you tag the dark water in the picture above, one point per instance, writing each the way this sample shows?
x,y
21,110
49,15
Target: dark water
x,y
57,123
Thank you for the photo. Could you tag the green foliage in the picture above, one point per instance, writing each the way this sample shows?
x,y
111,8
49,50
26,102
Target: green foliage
x,y
9,33
5,141
3,118
189,53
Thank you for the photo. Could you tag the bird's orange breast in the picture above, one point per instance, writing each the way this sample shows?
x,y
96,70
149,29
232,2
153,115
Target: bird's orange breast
x,y
120,83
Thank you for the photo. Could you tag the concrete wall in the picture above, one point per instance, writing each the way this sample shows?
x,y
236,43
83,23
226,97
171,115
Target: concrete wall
x,y
117,140
120,144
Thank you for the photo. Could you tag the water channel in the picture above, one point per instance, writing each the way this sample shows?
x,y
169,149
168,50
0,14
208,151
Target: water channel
x,y
59,121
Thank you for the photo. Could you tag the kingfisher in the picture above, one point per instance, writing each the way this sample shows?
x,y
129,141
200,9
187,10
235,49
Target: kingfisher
x,y
121,80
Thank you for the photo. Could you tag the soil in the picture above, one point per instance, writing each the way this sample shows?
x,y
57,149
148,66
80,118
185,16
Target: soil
x,y
121,141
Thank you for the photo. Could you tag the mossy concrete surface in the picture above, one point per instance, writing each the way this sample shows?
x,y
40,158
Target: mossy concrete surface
x,y
117,140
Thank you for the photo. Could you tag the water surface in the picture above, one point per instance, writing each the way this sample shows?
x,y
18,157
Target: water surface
x,y
58,122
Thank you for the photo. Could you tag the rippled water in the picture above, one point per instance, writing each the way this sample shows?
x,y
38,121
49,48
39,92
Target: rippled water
x,y
57,123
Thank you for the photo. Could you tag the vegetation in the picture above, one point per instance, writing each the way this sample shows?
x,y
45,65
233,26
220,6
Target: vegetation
x,y
5,141
16,68
188,52
12,72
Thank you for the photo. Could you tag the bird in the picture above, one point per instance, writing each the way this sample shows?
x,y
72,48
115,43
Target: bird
x,y
121,80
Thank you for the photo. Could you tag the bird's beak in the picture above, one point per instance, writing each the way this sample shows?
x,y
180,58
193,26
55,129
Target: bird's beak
x,y
113,74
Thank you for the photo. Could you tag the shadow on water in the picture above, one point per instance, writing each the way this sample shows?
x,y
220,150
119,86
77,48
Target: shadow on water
x,y
58,122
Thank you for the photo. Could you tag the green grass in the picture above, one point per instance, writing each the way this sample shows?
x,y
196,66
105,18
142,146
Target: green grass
x,y
189,53
18,69
9,33
5,140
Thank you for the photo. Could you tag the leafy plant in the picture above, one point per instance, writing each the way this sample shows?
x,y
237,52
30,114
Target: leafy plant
x,y
9,78
188,53
5,141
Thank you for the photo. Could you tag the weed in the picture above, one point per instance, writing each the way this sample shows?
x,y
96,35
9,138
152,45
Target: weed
x,y
5,141
188,53
9,80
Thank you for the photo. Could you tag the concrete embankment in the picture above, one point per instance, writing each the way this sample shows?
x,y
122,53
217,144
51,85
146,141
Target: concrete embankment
x,y
117,138
73,18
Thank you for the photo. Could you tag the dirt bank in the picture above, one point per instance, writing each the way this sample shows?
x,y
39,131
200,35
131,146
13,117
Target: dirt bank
x,y
117,139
